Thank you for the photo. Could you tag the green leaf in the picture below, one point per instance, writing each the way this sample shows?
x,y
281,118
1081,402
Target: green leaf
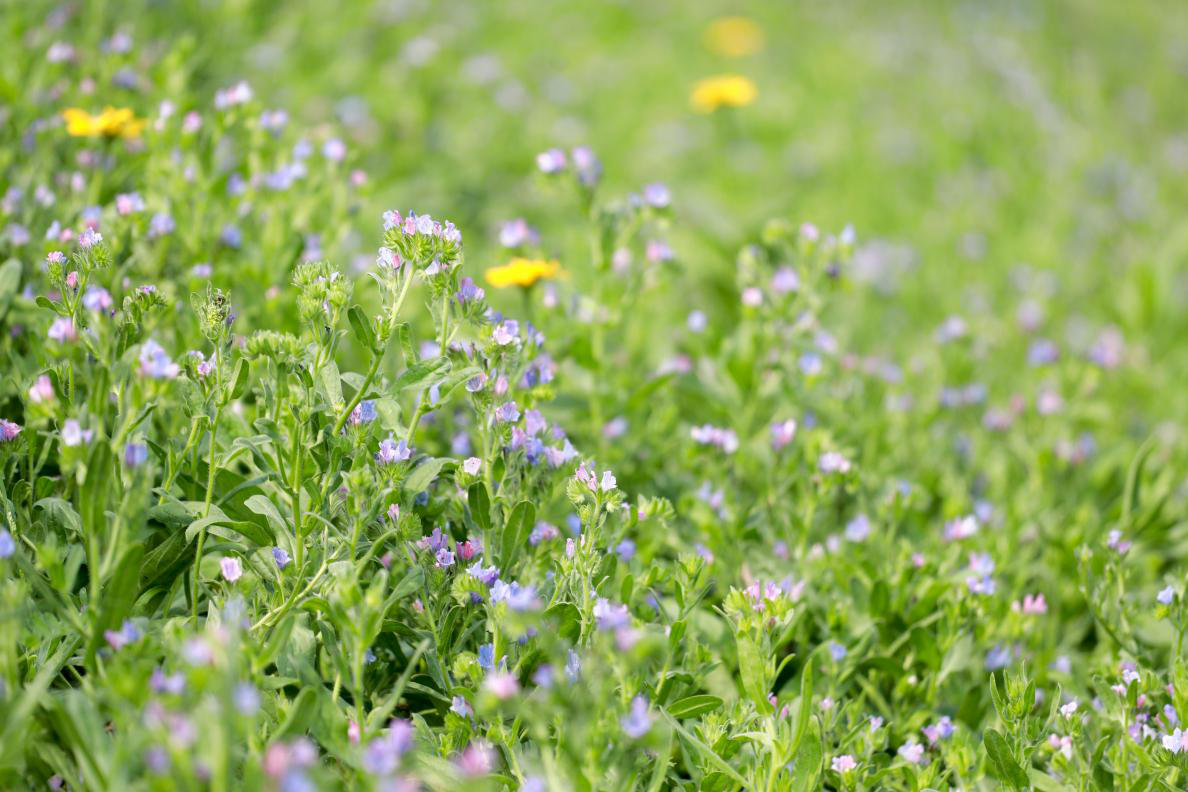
x,y
806,704
300,716
222,525
1004,763
694,706
332,384
10,284
61,512
265,507
517,530
363,332
480,505
421,372
807,763
424,473
752,669
240,377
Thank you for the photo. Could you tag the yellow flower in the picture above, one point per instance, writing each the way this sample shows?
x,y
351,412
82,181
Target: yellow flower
x,y
727,90
112,122
522,272
734,37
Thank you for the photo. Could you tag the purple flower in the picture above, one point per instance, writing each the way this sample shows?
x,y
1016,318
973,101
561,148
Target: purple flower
x,y
444,558
587,166
364,412
135,454
334,150
390,452
96,298
7,544
551,161
725,439
476,383
912,752
62,330
89,238
507,412
382,756
8,430
833,462
459,706
280,557
389,259
73,434
127,634
837,651
1166,596
625,550
517,597
231,568
468,291
506,332
656,195
638,721
155,363
611,616
486,656
543,531
782,433
515,233
487,575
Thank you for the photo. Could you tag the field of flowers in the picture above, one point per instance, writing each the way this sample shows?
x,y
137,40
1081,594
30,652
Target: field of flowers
x,y
593,396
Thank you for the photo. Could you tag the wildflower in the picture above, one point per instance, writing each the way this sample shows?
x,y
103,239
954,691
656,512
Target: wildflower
x,y
62,330
240,93
551,161
733,37
469,292
97,298
364,412
1176,742
586,165
725,439
477,759
1034,605
507,412
161,224
515,233
1062,745
611,616
656,196
112,122
118,639
638,721
459,706
502,684
837,651
73,434
506,332
246,698
382,755
1069,709
7,544
727,90
394,512
231,568
517,597
522,272
782,433
833,462
961,528
281,557
785,280
876,723
858,529
155,363
8,430
472,466
129,203
912,752
444,558
487,575
843,764
486,656
476,383
1115,542
1166,596
135,454
752,297
390,452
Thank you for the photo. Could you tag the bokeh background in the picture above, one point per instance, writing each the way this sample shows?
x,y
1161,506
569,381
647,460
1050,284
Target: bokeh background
x,y
987,154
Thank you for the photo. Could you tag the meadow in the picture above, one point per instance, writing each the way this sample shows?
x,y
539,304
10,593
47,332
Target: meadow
x,y
593,396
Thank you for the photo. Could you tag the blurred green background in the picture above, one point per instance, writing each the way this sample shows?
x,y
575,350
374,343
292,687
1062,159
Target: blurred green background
x,y
995,151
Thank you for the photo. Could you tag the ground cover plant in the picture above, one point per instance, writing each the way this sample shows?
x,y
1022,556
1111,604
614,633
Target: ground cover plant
x,y
691,452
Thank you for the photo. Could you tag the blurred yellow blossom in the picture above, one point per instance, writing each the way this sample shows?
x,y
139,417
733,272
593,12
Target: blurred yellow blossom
x,y
727,90
734,37
522,272
112,122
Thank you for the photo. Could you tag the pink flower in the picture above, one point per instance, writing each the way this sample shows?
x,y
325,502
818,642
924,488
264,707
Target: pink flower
x,y
843,764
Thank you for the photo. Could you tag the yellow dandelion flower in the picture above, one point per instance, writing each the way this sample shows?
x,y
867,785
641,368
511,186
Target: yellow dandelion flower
x,y
727,90
522,272
734,37
112,122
